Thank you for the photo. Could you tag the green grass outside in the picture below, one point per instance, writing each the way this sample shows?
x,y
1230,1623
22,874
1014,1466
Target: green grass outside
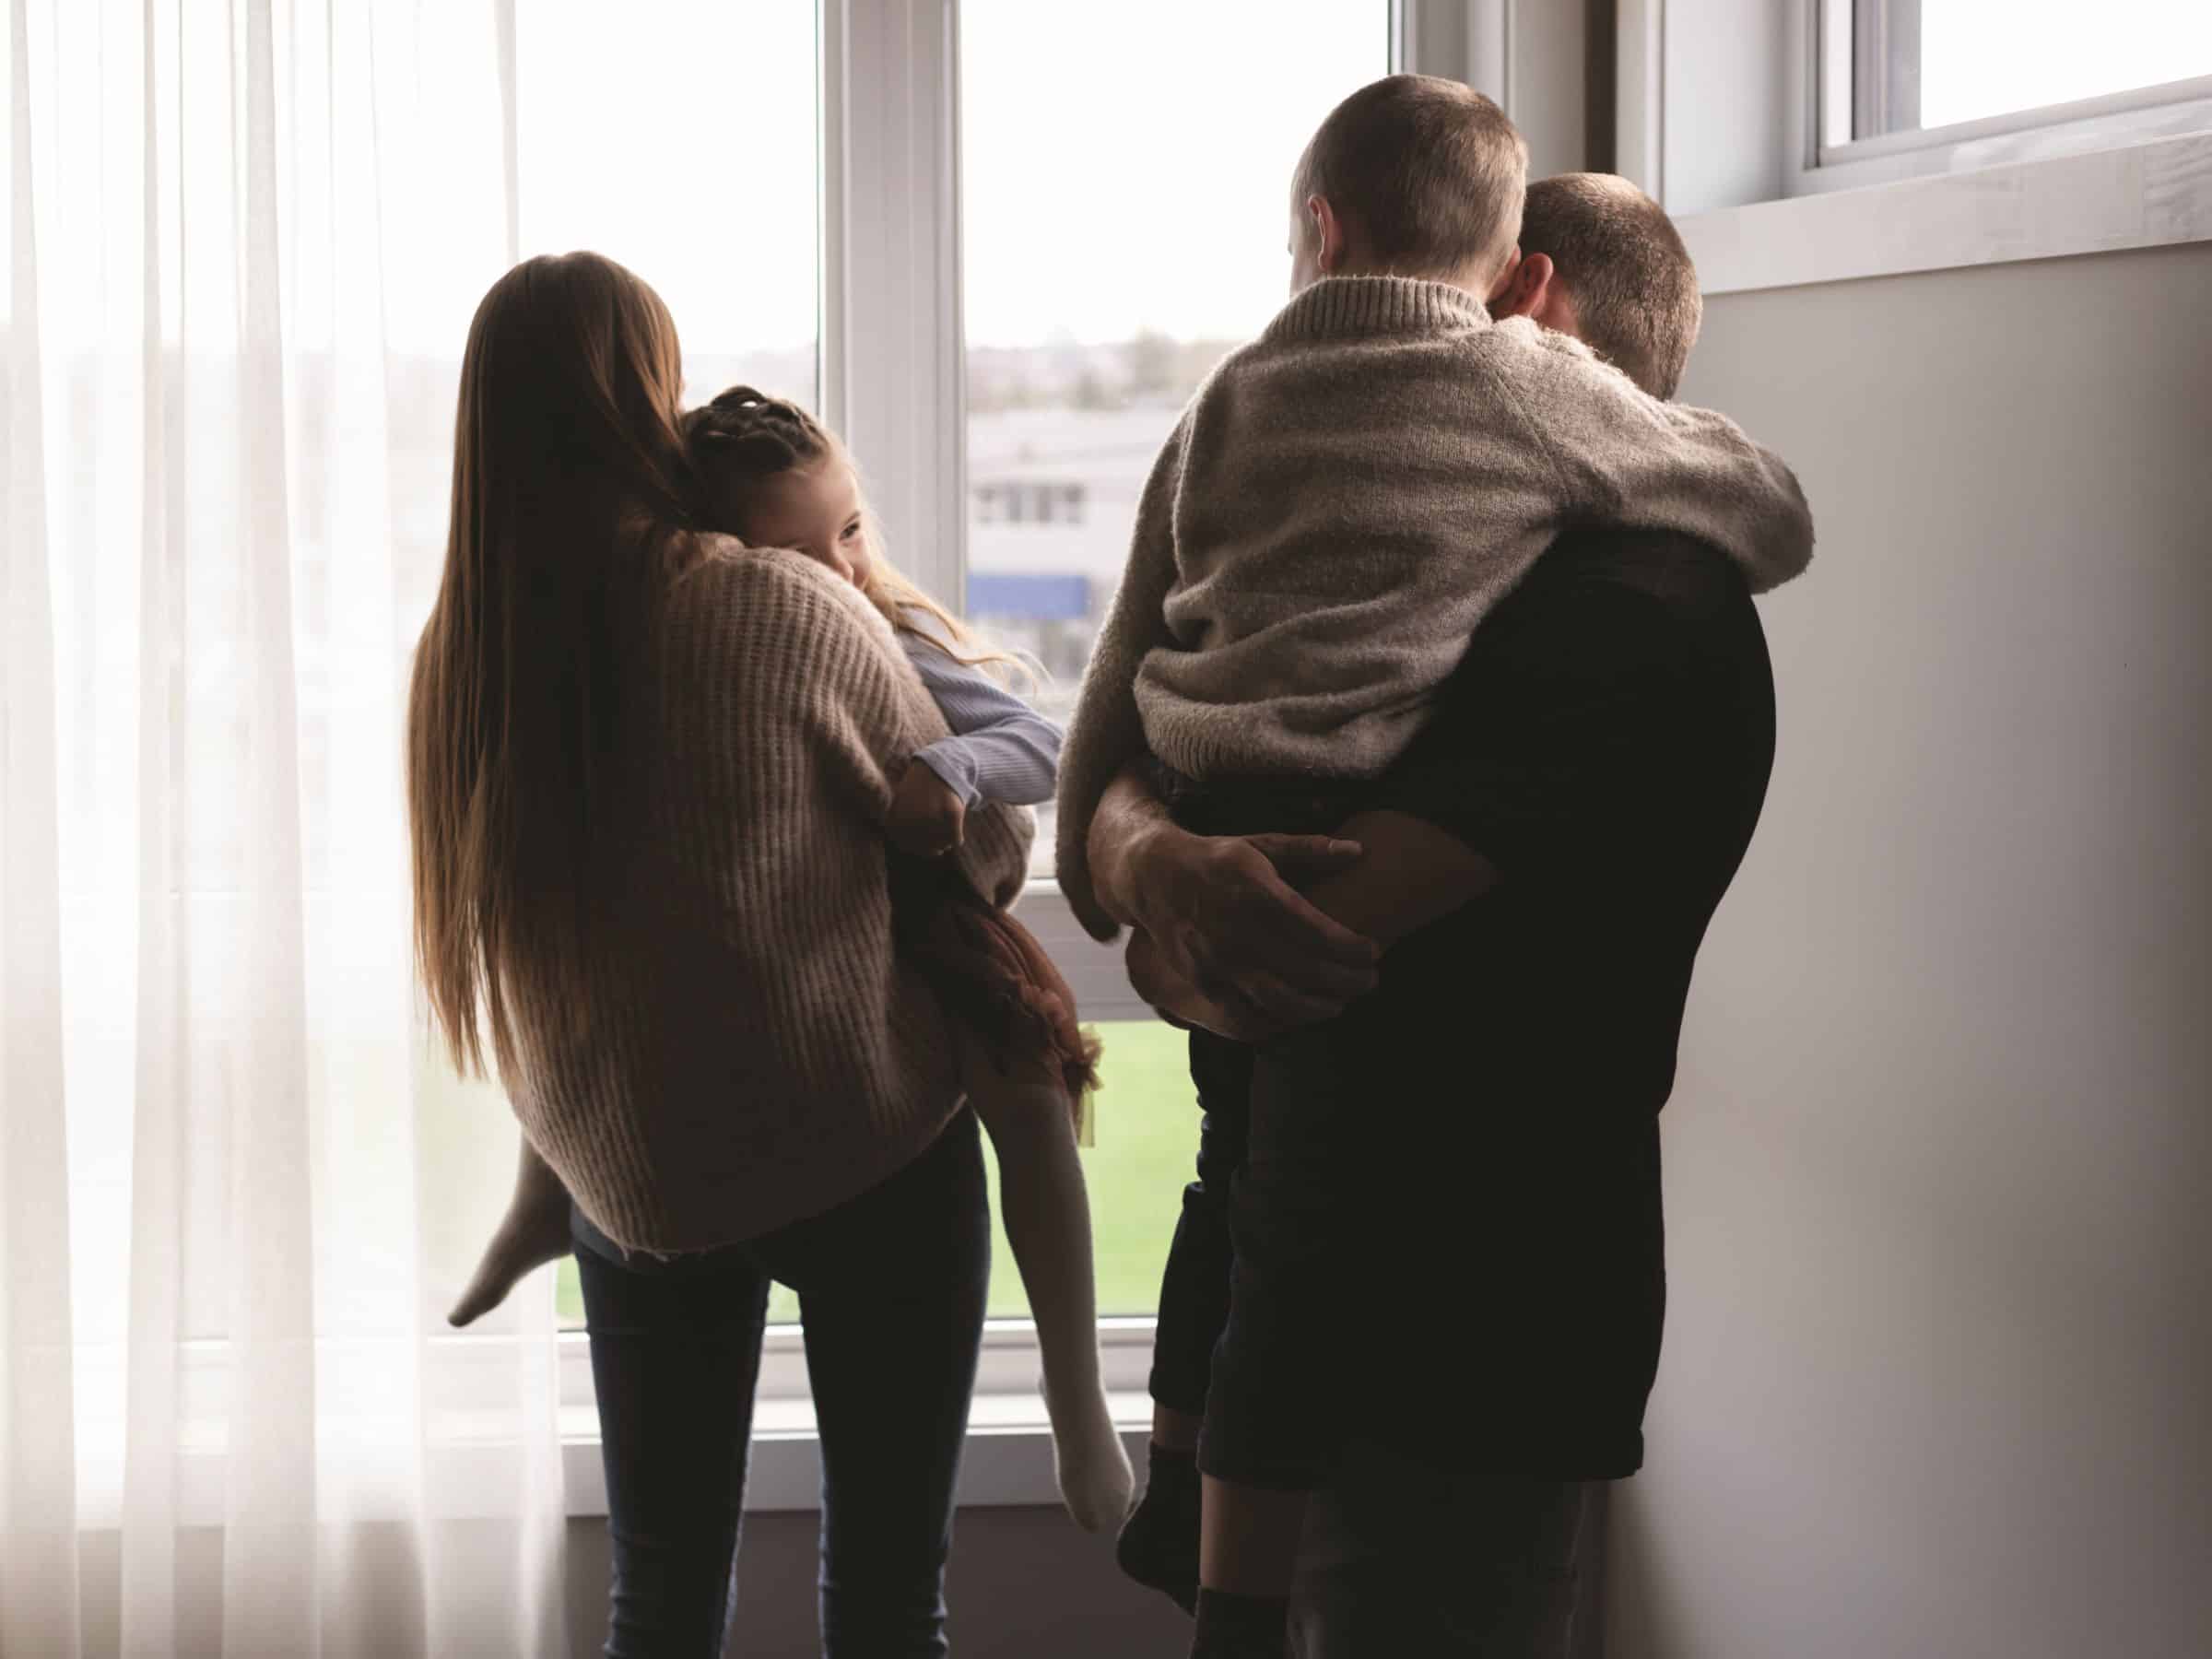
x,y
1148,1135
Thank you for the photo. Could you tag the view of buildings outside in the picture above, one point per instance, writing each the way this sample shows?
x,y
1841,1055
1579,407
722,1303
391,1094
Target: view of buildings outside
x,y
1111,262
1060,442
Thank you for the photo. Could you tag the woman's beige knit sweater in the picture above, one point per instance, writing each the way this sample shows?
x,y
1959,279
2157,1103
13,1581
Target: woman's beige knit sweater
x,y
755,1053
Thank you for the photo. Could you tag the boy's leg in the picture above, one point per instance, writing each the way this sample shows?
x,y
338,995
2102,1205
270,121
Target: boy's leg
x,y
1403,1557
1160,1545
1047,1214
1194,1289
1276,1411
1296,1212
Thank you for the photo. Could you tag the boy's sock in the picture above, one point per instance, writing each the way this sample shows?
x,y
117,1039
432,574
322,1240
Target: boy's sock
x,y
1159,1546
1242,1627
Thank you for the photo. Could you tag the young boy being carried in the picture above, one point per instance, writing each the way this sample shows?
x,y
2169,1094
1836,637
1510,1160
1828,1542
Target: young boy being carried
x,y
1343,502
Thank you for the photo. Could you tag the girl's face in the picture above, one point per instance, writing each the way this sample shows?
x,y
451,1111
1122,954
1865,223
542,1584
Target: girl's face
x,y
815,511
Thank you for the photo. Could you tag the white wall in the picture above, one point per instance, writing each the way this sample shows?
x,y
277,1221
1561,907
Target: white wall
x,y
1526,54
1723,100
1938,1367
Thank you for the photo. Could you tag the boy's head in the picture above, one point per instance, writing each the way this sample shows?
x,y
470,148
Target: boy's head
x,y
1410,176
1601,260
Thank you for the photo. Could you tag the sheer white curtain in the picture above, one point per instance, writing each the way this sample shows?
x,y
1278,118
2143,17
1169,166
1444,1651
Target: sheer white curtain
x,y
245,240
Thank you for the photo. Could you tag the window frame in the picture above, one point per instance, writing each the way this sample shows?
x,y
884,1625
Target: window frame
x,y
1754,161
1838,98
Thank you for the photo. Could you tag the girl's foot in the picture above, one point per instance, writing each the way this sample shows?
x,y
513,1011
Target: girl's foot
x,y
534,1231
1158,1547
1096,1482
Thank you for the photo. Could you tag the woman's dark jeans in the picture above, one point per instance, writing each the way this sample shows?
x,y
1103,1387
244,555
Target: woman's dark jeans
x,y
891,1290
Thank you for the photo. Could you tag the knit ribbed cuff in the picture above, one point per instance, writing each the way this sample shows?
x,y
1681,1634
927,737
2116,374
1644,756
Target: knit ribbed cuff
x,y
1340,306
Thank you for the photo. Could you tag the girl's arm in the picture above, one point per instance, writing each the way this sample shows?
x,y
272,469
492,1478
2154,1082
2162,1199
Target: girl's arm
x,y
809,701
1000,749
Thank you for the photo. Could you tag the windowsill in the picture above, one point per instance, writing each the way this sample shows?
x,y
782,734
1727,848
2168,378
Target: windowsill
x,y
1095,971
1008,1459
2149,193
1008,1463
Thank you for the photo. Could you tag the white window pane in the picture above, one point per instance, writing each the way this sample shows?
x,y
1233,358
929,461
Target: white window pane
x,y
1126,185
1949,60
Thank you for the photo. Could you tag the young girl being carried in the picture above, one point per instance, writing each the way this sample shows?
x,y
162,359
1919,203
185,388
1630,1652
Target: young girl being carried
x,y
773,476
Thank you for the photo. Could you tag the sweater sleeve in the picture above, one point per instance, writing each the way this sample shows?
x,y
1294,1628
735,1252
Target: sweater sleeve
x,y
821,708
1106,732
1628,459
999,748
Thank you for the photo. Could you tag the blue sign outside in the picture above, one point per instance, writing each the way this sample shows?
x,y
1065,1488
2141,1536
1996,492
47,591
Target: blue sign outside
x,y
1028,596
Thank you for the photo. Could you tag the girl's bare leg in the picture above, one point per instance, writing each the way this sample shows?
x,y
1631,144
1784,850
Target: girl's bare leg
x,y
534,1231
1047,1216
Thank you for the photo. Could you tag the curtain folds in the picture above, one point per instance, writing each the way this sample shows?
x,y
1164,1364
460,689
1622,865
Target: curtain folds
x,y
243,244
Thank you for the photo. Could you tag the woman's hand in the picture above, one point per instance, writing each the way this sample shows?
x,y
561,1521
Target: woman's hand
x,y
927,819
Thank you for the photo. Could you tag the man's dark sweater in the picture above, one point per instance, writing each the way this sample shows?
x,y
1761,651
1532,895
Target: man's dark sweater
x,y
1466,1163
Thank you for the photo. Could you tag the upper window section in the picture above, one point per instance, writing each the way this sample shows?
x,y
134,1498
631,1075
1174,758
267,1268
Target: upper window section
x,y
684,144
1927,64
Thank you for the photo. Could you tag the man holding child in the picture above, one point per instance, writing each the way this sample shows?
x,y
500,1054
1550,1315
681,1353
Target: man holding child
x,y
1430,725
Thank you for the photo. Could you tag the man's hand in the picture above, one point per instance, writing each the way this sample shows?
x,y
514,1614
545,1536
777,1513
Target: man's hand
x,y
1224,914
1174,1000
1223,917
927,819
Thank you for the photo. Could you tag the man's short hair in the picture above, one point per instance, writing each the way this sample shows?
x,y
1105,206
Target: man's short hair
x,y
1630,279
1427,172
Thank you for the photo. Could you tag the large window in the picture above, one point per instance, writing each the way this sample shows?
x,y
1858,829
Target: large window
x,y
1108,264
1125,196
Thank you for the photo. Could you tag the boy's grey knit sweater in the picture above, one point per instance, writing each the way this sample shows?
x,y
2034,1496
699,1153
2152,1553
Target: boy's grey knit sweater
x,y
1343,500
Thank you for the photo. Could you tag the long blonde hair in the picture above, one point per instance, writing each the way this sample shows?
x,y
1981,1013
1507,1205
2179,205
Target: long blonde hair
x,y
745,437
572,499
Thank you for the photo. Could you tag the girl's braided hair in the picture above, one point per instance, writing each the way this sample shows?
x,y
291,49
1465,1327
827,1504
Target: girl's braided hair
x,y
744,438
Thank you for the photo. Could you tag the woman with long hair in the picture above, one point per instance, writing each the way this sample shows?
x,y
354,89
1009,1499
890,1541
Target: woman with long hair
x,y
647,773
